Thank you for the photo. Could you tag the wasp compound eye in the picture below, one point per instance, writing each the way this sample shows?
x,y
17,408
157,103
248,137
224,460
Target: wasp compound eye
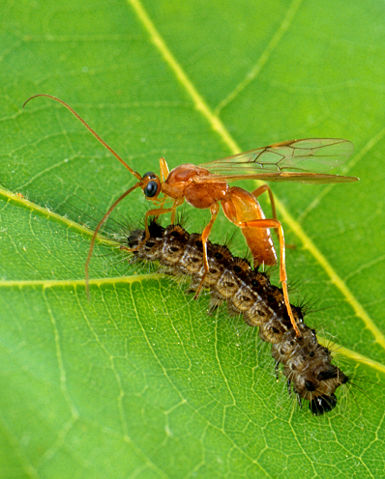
x,y
151,189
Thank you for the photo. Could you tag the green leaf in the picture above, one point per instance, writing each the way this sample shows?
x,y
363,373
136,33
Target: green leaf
x,y
140,381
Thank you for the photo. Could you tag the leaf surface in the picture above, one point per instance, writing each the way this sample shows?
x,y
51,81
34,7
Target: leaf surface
x,y
140,381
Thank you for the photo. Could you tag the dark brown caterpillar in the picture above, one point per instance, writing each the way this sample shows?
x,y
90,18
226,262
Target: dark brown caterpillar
x,y
306,364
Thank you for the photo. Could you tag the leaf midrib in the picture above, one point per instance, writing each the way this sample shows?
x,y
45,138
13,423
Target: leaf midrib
x,y
218,126
336,348
49,283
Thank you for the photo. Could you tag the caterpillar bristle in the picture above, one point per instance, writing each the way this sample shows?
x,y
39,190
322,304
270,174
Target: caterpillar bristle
x,y
306,364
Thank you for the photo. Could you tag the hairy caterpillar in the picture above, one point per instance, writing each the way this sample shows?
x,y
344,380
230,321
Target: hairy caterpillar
x,y
307,365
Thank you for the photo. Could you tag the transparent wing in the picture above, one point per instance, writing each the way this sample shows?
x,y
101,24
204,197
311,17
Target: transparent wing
x,y
306,160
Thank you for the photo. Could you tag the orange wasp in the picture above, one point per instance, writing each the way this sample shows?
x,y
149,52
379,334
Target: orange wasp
x,y
206,186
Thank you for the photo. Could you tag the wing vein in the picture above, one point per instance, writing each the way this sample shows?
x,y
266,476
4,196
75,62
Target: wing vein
x,y
218,126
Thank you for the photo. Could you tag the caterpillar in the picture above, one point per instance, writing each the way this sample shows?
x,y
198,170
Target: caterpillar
x,y
306,364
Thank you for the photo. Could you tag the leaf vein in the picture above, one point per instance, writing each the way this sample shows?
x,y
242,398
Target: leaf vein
x,y
356,158
263,59
217,125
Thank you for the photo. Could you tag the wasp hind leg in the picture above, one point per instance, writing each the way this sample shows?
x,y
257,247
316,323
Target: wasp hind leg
x,y
258,192
274,223
262,189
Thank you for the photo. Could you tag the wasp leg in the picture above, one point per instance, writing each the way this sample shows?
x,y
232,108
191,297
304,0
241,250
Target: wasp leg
x,y
259,191
205,234
274,223
154,212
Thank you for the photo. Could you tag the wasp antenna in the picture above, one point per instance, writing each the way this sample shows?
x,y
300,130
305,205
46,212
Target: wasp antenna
x,y
97,229
93,132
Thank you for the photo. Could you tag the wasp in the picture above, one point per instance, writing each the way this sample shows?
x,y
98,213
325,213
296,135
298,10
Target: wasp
x,y
206,186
